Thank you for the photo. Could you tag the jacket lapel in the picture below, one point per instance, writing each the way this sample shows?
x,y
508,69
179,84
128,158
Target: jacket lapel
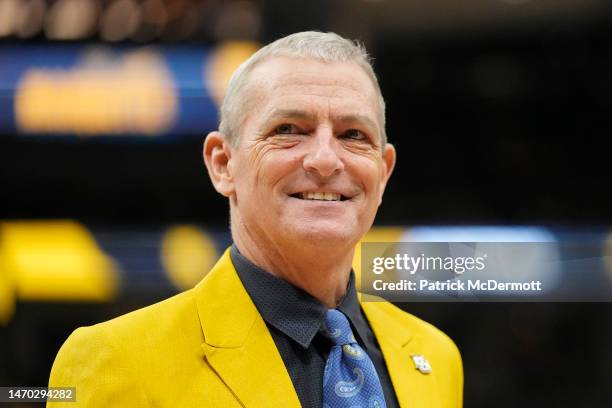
x,y
237,343
397,343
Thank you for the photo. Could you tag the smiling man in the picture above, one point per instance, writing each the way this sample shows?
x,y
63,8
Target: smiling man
x,y
302,157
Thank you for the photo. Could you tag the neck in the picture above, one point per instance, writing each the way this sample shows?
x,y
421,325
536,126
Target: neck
x,y
320,270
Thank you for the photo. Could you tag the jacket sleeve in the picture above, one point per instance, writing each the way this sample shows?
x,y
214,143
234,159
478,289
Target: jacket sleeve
x,y
456,376
98,370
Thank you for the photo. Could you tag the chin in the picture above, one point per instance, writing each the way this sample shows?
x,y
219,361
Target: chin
x,y
324,235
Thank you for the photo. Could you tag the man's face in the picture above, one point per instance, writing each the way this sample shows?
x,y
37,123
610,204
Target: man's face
x,y
309,166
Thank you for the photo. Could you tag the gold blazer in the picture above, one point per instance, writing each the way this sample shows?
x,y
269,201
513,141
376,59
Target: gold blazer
x,y
209,347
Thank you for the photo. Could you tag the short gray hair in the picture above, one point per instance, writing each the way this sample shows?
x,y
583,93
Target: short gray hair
x,y
328,47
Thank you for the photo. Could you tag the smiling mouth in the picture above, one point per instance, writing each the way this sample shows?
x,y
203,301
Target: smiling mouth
x,y
319,196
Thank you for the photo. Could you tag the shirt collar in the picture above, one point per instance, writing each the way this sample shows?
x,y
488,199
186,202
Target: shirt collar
x,y
290,309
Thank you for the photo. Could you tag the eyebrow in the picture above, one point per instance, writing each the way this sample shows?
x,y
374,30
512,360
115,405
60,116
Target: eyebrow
x,y
305,115
289,113
356,118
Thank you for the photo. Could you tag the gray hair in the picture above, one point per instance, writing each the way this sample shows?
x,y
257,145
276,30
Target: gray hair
x,y
328,47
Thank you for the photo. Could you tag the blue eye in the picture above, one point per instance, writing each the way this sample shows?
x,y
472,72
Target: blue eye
x,y
286,129
354,134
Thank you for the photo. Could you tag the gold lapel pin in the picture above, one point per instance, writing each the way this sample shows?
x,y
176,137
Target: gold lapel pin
x,y
421,363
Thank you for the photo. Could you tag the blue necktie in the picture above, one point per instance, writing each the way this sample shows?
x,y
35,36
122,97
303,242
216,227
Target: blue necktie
x,y
350,379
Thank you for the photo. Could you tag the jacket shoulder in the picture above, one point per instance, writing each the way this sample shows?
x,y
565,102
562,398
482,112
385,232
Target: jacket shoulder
x,y
109,363
151,319
416,326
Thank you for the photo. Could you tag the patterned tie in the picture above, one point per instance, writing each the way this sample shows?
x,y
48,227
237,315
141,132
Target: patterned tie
x,y
350,379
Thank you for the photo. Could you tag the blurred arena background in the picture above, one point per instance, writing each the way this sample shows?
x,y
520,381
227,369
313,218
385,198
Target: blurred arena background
x,y
499,109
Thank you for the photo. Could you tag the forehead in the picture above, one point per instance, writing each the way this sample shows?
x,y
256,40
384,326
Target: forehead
x,y
300,83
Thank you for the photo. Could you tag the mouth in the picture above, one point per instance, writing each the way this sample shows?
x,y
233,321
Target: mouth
x,y
320,196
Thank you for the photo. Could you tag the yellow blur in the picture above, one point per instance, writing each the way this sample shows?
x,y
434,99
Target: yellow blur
x,y
187,254
55,260
222,63
99,96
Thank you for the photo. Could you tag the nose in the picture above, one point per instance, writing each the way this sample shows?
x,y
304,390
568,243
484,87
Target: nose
x,y
323,156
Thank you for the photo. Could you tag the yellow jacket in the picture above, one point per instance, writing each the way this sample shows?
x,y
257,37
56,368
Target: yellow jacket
x,y
209,347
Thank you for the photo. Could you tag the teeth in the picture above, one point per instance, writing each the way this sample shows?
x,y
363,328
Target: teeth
x,y
320,196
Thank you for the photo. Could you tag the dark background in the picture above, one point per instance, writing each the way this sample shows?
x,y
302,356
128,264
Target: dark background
x,y
500,116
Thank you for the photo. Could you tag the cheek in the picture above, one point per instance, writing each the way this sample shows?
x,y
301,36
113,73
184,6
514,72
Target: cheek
x,y
276,166
369,174
245,178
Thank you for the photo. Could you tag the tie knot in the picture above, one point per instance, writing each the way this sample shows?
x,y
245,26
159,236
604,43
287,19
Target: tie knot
x,y
338,328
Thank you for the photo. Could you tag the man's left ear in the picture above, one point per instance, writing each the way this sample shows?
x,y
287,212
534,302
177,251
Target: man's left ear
x,y
388,156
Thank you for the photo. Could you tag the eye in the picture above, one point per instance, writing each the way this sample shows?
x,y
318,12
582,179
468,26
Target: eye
x,y
354,134
286,129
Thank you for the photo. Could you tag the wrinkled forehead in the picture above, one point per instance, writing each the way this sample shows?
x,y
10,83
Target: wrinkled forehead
x,y
280,80
279,72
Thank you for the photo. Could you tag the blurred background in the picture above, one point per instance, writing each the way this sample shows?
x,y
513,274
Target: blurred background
x,y
499,109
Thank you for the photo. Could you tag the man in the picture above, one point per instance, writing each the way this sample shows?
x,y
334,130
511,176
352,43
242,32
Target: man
x,y
301,155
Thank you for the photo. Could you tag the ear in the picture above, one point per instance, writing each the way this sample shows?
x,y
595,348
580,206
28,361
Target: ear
x,y
217,156
389,157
